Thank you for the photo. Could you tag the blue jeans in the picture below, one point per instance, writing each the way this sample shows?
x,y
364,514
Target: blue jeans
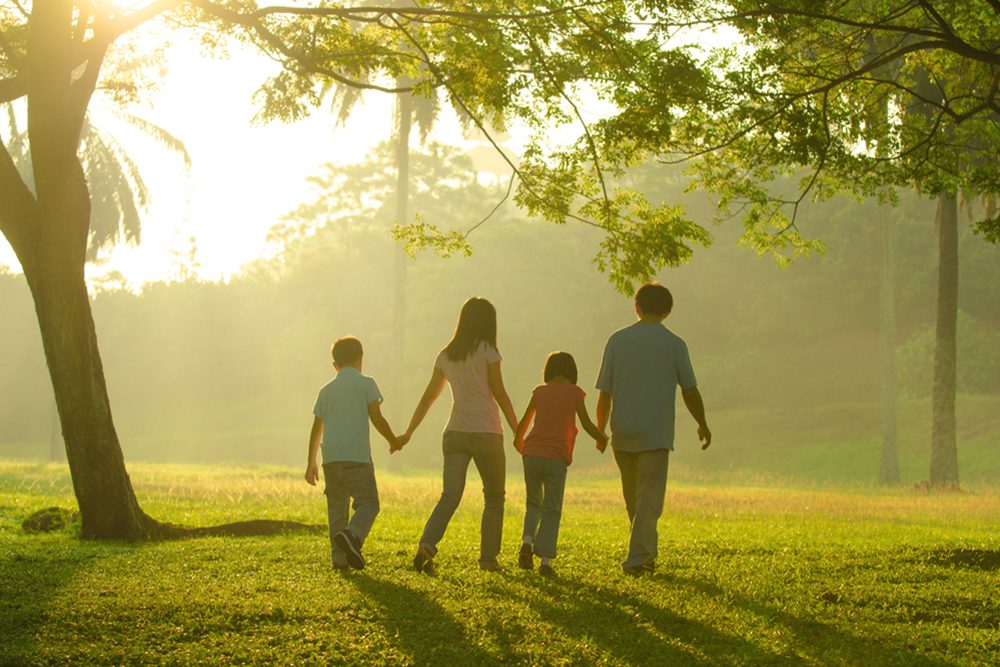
x,y
544,482
486,449
644,485
346,480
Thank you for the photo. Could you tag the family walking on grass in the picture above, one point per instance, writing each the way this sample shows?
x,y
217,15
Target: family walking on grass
x,y
642,366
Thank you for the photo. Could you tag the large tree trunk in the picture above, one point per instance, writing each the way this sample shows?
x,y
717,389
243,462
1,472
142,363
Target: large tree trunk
x,y
888,472
944,453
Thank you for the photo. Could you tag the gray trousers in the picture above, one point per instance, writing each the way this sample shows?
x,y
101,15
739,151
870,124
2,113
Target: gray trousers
x,y
346,480
486,450
544,483
644,486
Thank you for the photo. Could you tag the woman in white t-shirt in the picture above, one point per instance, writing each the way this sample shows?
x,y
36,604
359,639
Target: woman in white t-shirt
x,y
470,364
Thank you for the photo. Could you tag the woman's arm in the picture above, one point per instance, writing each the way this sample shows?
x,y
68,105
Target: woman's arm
x,y
597,434
433,390
495,380
522,426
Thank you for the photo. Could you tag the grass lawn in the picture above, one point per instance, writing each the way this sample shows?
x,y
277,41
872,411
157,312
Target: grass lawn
x,y
746,575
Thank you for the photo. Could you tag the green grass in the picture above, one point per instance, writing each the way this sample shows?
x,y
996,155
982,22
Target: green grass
x,y
747,575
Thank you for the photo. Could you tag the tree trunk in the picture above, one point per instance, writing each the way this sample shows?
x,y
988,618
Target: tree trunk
x,y
944,453
404,108
108,508
888,472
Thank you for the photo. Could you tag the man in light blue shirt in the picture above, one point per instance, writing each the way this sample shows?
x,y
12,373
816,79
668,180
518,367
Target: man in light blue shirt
x,y
642,366
343,409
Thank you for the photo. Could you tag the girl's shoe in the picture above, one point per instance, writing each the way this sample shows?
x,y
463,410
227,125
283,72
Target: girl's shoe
x,y
525,561
424,560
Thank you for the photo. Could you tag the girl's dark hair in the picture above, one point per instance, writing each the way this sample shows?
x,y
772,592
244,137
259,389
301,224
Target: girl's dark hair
x,y
477,323
560,363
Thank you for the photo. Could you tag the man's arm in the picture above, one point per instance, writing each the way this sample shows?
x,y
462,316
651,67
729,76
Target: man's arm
x,y
315,435
380,424
692,399
602,413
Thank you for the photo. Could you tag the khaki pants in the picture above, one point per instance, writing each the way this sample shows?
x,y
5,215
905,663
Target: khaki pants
x,y
346,480
644,485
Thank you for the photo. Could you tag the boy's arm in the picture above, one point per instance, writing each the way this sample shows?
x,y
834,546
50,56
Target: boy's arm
x,y
431,393
495,380
315,436
379,422
522,426
597,434
694,404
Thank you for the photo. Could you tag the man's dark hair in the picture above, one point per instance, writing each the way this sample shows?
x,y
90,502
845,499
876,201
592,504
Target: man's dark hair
x,y
654,299
347,351
560,363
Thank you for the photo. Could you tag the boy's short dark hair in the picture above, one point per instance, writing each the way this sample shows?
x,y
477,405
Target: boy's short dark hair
x,y
560,363
347,351
654,299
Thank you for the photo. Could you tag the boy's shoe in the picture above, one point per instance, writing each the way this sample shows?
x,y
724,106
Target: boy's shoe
x,y
525,559
491,566
351,546
423,561
546,570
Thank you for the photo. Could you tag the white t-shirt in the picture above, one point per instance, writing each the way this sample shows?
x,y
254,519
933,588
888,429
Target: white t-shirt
x,y
473,408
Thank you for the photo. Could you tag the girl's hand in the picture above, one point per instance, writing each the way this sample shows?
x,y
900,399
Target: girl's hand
x,y
602,443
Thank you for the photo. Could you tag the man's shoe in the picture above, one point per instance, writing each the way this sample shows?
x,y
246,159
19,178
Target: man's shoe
x,y
424,560
525,559
351,546
546,570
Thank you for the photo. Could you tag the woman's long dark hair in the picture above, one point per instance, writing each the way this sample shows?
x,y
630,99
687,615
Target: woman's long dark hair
x,y
477,323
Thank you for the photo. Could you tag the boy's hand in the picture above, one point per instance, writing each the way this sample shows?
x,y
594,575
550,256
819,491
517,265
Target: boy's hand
x,y
705,436
602,443
312,473
399,442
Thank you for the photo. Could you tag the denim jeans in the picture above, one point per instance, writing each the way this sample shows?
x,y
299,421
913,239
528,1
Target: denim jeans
x,y
346,480
544,482
644,485
486,450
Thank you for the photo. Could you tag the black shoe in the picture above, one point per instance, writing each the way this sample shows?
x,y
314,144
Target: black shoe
x,y
546,570
351,546
423,561
341,567
636,571
491,566
525,559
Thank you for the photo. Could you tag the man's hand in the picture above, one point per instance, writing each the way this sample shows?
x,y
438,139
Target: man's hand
x,y
705,436
399,442
312,473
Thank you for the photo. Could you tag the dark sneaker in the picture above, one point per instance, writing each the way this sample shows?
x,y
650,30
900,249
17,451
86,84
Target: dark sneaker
x,y
423,561
636,571
491,566
351,546
525,561
546,570
341,567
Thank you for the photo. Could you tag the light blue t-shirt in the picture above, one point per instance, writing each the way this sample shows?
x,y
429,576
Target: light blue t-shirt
x,y
342,404
642,366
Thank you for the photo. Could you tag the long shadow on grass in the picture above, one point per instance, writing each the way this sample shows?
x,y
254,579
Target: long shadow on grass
x,y
813,639
628,628
420,627
32,575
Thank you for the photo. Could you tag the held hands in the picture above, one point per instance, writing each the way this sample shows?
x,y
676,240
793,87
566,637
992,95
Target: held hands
x,y
399,442
602,442
312,473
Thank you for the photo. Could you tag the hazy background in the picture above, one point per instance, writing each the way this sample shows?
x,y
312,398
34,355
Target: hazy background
x,y
787,359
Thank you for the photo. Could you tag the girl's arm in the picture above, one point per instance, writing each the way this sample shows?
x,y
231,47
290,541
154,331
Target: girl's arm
x,y
597,434
495,380
522,426
433,390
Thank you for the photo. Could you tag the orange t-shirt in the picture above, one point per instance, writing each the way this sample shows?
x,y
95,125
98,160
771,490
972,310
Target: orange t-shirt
x,y
554,430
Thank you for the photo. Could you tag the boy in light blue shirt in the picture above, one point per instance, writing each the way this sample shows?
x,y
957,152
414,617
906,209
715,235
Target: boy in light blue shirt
x,y
343,409
642,366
